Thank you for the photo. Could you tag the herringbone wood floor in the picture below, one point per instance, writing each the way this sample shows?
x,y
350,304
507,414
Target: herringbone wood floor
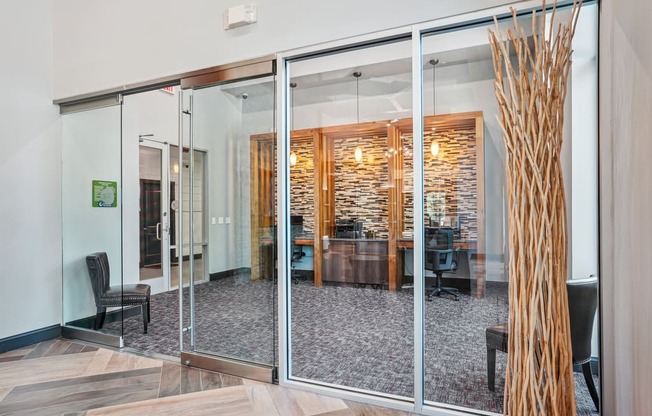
x,y
62,377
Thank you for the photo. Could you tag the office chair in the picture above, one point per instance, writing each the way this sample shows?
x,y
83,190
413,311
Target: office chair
x,y
114,296
440,257
297,254
582,305
296,228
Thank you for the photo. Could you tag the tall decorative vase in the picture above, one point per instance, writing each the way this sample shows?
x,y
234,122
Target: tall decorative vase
x,y
532,70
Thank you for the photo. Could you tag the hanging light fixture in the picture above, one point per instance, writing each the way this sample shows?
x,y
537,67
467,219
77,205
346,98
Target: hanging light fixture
x,y
358,150
434,146
293,156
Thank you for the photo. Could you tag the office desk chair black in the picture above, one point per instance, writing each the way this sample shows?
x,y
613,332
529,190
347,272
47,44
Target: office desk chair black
x,y
440,257
296,228
297,254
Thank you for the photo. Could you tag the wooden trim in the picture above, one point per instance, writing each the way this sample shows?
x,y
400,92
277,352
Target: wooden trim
x,y
394,212
481,244
317,155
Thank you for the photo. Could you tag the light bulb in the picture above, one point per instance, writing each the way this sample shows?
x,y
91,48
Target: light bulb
x,y
175,168
434,148
358,154
293,159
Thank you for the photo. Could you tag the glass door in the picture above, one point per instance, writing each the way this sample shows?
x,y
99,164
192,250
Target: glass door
x,y
154,214
231,318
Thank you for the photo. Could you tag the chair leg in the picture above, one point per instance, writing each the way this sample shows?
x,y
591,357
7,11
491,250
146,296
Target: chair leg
x,y
491,368
144,308
149,311
99,318
437,290
588,378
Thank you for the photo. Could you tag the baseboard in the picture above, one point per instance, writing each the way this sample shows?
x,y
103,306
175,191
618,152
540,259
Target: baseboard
x,y
29,338
197,256
113,316
229,273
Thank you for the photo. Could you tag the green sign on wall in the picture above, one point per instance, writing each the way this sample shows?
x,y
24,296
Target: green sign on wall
x,y
105,194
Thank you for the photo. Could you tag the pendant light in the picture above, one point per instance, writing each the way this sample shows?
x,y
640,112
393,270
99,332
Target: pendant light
x,y
434,146
293,156
358,150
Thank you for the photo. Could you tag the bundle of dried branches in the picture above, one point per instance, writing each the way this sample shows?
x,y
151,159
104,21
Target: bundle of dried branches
x,y
531,89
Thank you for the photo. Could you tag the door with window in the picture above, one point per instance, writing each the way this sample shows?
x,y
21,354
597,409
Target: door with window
x,y
154,214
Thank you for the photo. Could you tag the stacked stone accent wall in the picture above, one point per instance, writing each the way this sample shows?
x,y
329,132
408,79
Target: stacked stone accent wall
x,y
302,179
361,187
453,171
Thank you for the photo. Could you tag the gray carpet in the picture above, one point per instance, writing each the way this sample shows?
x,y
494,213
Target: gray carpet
x,y
355,337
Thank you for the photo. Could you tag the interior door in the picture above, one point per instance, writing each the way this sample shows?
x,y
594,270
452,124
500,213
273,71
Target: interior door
x,y
231,326
154,214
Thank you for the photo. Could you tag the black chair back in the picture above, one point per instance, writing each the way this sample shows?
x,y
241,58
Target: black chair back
x,y
98,271
582,305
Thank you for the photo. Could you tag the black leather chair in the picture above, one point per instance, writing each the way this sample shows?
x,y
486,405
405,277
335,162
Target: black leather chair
x,y
107,296
440,257
582,305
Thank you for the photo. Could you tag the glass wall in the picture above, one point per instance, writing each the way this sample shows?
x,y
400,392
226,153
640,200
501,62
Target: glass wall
x,y
351,315
466,252
92,219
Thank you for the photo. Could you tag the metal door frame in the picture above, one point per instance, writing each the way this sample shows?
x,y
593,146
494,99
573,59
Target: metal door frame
x,y
162,282
227,74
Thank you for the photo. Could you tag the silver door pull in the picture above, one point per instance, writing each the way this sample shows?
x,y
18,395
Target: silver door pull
x,y
158,230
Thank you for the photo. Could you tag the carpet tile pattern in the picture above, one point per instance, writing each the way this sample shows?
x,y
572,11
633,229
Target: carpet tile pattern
x,y
354,337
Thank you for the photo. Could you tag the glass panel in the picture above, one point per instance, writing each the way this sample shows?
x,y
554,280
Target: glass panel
x,y
465,209
234,220
151,241
351,301
92,219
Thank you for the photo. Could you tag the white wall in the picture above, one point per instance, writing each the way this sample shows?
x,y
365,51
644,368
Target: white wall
x,y
30,167
100,45
626,203
217,126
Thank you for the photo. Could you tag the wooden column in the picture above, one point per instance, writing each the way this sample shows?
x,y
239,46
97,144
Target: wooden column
x,y
262,202
481,249
395,198
320,200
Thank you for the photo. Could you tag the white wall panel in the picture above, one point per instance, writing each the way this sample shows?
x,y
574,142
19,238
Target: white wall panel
x,y
30,167
101,45
626,202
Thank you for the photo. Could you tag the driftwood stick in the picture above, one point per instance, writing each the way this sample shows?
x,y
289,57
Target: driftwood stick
x,y
531,84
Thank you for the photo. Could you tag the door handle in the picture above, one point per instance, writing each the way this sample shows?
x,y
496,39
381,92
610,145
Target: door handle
x,y
158,231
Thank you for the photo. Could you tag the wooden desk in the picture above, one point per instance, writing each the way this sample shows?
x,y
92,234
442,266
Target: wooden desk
x,y
462,244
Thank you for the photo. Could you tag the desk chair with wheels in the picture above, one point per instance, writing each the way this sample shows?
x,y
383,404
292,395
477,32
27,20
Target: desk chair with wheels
x,y
296,228
107,296
440,257
297,254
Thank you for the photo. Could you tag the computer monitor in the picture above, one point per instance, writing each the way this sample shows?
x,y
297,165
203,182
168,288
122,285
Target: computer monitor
x,y
348,228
